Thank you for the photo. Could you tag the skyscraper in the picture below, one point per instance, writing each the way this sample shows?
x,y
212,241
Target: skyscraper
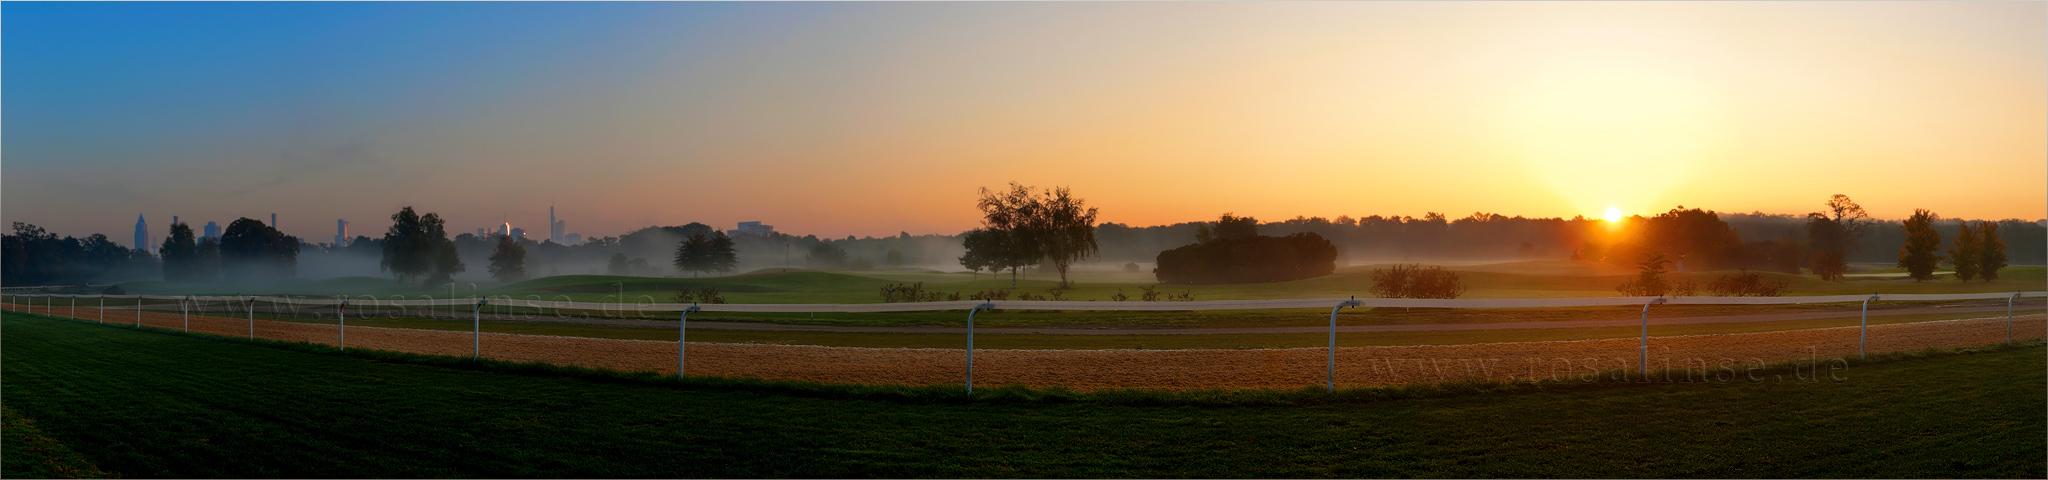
x,y
141,234
555,227
212,231
273,221
340,232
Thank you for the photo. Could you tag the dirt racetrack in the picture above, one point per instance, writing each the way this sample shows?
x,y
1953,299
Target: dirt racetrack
x,y
1705,357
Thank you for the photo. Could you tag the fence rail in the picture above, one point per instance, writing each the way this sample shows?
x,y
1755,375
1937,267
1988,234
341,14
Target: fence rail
x,y
245,305
964,305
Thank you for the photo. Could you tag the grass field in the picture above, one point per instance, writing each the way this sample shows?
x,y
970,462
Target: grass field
x,y
150,404
1538,279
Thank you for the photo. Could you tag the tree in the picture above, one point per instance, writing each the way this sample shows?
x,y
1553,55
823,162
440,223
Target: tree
x,y
180,254
206,265
702,252
693,254
1833,233
1992,256
508,263
1966,252
417,246
1012,217
825,256
1067,228
617,264
893,259
1699,238
1921,252
1246,259
724,258
252,251
407,250
981,251
1037,225
1649,281
1227,227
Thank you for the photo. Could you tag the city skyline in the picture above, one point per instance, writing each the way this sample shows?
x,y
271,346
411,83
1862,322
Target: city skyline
x,y
857,119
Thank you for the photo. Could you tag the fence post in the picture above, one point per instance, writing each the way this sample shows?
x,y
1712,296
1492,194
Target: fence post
x,y
341,313
188,313
1645,367
74,307
1353,302
476,335
1863,340
252,317
103,308
681,330
970,342
2008,316
138,310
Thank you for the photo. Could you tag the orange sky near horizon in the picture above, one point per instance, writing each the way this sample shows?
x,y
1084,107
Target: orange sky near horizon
x,y
882,118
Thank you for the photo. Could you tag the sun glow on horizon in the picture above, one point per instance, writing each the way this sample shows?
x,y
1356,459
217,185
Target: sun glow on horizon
x,y
1613,214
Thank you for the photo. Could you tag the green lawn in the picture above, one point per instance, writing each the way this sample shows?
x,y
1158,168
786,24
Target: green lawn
x,y
150,404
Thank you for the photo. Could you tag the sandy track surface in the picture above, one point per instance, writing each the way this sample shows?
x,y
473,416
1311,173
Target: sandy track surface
x,y
1707,356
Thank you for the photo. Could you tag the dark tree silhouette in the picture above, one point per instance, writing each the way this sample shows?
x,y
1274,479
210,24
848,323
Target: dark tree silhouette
x,y
1922,250
253,251
1966,252
508,263
180,254
1833,233
1992,257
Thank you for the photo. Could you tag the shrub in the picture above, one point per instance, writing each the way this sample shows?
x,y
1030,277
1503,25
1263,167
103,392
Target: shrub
x,y
1250,259
1131,267
1746,284
707,295
1416,281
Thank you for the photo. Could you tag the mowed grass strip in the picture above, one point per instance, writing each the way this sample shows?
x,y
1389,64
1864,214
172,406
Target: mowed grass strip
x,y
147,404
25,452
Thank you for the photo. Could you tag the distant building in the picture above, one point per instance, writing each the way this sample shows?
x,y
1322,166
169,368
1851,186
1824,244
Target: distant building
x,y
555,227
505,229
273,221
141,234
340,232
754,228
482,232
518,234
573,239
212,231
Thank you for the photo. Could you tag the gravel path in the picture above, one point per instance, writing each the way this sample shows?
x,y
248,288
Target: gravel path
x,y
1705,357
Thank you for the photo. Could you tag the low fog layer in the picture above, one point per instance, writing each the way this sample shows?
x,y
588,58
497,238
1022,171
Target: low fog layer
x,y
651,251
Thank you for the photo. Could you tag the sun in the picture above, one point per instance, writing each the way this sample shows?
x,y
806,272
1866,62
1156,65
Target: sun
x,y
1613,214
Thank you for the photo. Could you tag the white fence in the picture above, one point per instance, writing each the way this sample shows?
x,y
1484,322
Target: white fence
x,y
477,304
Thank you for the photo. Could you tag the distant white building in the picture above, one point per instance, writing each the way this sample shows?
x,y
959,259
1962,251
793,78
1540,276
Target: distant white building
x,y
340,232
573,239
754,228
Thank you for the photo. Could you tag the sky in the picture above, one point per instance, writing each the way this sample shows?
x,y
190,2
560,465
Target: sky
x,y
864,119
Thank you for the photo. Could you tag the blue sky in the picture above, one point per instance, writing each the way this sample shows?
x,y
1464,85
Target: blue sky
x,y
875,118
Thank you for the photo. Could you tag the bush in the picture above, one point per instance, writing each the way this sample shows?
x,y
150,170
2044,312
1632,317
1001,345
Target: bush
x,y
1248,260
1416,281
1746,284
1131,267
708,295
914,292
860,264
